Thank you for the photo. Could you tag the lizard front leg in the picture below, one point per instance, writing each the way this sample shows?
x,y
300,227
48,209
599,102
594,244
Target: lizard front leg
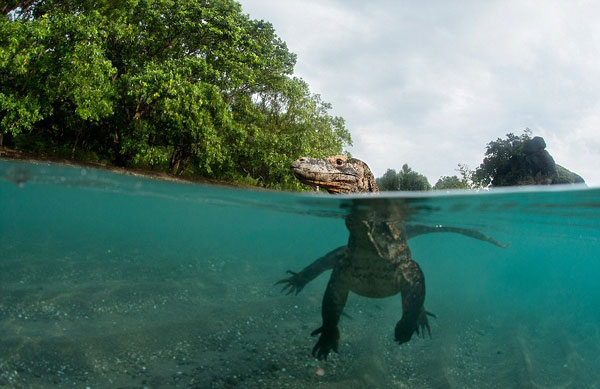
x,y
297,281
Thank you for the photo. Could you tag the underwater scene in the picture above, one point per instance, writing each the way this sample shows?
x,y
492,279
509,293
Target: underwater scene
x,y
120,281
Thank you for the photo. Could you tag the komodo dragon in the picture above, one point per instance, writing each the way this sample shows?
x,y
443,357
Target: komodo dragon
x,y
376,262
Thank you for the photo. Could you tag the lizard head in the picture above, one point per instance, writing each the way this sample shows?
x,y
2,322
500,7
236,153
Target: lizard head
x,y
335,174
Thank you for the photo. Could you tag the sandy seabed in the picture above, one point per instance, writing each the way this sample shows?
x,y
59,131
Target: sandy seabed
x,y
122,321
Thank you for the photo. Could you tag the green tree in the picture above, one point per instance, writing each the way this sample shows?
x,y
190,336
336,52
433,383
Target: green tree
x,y
406,180
193,87
285,127
501,156
450,182
389,181
411,180
465,181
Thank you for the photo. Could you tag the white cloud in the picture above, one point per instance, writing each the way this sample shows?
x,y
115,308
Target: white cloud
x,y
430,84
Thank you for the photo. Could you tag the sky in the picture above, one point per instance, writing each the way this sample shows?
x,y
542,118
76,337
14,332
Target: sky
x,y
431,83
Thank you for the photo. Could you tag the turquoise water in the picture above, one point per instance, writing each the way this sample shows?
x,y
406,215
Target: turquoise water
x,y
111,280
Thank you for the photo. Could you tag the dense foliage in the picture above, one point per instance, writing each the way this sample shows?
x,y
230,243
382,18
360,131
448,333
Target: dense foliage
x,y
565,176
450,182
501,156
465,181
405,179
410,180
193,87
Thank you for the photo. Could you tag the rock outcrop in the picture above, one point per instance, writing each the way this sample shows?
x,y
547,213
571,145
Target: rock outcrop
x,y
535,166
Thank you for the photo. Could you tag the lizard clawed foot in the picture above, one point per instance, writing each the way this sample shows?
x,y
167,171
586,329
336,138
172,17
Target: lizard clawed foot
x,y
423,323
406,328
295,283
328,341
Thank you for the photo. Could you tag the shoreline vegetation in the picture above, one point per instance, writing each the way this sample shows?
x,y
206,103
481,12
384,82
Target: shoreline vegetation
x,y
8,154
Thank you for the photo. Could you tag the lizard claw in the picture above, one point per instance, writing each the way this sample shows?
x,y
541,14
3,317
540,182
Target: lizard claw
x,y
423,323
292,284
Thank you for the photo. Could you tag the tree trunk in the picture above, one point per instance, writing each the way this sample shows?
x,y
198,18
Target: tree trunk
x,y
175,160
119,158
74,146
175,167
183,166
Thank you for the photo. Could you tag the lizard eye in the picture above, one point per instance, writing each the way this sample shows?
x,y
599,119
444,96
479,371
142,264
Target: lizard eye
x,y
339,162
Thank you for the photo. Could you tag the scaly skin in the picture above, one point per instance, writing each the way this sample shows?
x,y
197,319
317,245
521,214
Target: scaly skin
x,y
377,260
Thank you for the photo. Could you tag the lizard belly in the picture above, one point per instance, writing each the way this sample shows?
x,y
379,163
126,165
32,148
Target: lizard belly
x,y
373,278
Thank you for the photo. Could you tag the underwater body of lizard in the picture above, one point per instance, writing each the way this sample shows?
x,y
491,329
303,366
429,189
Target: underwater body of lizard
x,y
375,263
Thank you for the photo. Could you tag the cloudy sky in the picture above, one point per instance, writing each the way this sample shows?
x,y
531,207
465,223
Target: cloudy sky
x,y
431,83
